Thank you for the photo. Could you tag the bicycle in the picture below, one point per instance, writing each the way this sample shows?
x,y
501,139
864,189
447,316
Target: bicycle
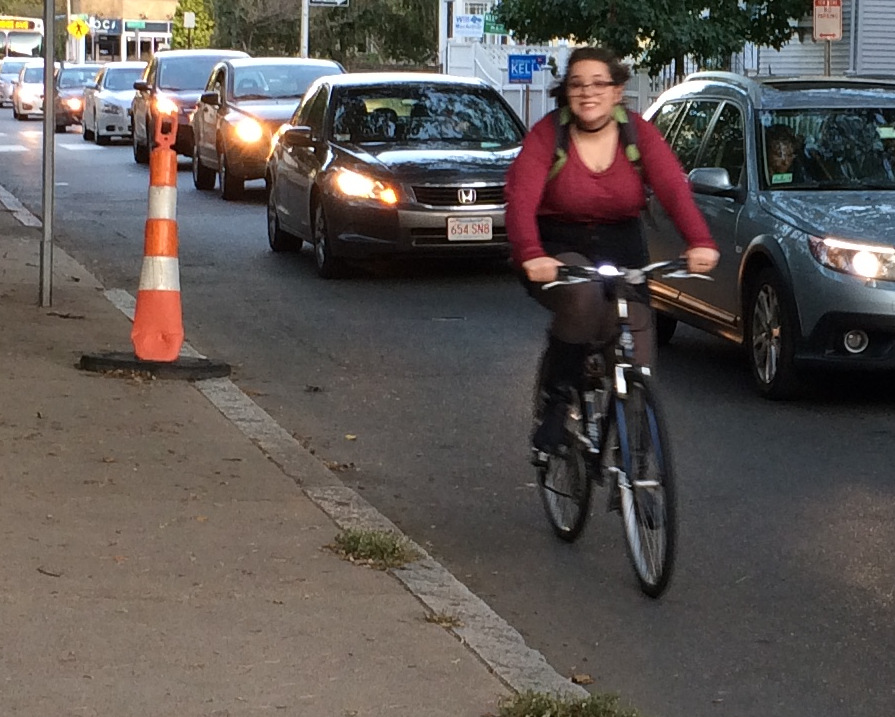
x,y
616,435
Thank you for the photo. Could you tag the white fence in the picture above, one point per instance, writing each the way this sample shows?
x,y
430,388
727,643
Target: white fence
x,y
532,101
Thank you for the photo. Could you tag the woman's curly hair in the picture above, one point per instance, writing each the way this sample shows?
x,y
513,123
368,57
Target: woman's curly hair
x,y
618,71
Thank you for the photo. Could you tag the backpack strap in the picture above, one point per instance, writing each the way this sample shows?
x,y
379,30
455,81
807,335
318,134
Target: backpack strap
x,y
627,130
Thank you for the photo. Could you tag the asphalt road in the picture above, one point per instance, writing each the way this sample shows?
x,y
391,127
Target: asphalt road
x,y
782,603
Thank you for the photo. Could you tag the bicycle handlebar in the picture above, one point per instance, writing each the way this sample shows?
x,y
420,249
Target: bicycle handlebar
x,y
671,269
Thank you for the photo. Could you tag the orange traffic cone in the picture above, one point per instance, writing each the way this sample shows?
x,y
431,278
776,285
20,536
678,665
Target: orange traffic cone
x,y
157,334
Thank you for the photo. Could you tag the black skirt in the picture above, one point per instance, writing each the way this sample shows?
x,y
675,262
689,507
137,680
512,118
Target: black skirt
x,y
621,243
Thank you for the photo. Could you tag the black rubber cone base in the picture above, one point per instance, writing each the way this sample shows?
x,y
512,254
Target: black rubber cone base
x,y
184,368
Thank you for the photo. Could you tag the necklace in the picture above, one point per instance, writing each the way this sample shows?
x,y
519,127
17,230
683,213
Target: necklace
x,y
603,126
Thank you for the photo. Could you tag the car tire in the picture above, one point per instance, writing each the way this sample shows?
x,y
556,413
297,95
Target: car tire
x,y
87,135
770,337
61,128
328,266
141,151
203,177
231,186
665,326
16,115
278,239
102,139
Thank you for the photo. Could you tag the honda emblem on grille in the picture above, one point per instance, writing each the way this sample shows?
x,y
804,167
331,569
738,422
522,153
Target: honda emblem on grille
x,y
466,196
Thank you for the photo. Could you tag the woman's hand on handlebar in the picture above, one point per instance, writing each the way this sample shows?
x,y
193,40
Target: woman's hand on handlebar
x,y
701,259
541,269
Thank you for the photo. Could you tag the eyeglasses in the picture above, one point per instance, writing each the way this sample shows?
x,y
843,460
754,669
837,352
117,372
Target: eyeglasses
x,y
576,87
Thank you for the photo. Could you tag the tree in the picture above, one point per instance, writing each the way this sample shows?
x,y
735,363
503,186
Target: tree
x,y
201,34
656,33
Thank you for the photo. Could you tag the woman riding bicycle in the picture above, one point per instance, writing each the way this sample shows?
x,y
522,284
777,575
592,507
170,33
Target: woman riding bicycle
x,y
588,212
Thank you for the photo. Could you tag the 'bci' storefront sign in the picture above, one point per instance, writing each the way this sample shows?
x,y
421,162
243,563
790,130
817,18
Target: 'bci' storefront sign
x,y
104,26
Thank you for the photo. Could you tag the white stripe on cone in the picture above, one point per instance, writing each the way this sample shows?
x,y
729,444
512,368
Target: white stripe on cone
x,y
160,273
163,202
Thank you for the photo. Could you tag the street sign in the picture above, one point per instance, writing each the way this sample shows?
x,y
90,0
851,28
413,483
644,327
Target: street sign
x,y
469,25
521,67
827,19
492,27
78,28
189,20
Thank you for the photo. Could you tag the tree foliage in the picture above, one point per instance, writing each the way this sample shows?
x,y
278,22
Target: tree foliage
x,y
201,34
655,33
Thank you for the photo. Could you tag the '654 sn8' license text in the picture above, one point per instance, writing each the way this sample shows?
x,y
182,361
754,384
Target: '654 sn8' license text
x,y
469,228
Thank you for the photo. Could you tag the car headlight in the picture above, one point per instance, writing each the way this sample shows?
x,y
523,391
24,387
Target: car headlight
x,y
354,184
867,261
166,106
73,103
248,130
110,109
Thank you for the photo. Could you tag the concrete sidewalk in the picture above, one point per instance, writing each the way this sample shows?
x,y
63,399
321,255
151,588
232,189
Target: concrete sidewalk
x,y
163,547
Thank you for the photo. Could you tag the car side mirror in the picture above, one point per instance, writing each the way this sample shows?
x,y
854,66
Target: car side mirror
x,y
141,86
297,137
714,181
210,98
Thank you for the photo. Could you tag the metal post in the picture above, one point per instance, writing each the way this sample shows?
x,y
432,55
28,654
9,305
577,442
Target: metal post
x,y
828,57
49,145
305,26
526,107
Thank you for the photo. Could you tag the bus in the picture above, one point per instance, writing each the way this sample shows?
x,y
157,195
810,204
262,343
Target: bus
x,y
21,36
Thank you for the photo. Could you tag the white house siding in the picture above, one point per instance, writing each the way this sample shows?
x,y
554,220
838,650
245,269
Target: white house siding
x,y
875,53
807,58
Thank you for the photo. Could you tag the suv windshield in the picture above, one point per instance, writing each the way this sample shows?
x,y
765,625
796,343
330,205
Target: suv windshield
x,y
412,113
11,67
277,80
185,73
850,148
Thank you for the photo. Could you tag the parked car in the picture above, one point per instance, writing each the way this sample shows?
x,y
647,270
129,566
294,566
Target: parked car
x,y
69,98
9,74
172,82
245,101
392,163
107,101
807,269
28,94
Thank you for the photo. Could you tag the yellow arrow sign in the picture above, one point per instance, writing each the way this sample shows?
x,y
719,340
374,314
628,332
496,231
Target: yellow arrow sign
x,y
78,28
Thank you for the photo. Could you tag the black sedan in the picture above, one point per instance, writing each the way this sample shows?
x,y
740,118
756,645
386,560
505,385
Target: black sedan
x,y
244,103
392,163
69,86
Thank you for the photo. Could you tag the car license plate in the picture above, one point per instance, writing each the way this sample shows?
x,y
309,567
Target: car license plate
x,y
469,229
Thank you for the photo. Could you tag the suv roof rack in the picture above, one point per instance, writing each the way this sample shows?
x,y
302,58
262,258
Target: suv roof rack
x,y
825,82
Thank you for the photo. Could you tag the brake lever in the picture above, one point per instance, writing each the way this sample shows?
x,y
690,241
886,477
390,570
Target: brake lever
x,y
565,282
684,274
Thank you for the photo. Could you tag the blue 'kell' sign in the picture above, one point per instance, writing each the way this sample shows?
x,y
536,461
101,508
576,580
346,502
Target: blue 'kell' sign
x,y
522,66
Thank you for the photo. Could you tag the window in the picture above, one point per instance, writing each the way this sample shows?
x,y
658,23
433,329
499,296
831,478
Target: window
x,y
691,131
725,146
666,117
311,113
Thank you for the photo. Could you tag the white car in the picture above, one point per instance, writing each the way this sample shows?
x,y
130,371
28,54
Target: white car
x,y
28,95
9,75
107,102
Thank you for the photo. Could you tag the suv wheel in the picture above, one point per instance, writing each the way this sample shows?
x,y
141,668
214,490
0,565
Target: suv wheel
x,y
141,151
276,237
203,177
770,337
231,185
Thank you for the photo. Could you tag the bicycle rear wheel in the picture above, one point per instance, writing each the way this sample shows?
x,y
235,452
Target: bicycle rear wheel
x,y
646,485
563,482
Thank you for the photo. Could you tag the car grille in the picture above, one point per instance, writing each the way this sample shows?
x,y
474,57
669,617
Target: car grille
x,y
450,196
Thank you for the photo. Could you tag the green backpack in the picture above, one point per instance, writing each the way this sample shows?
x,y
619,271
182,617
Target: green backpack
x,y
627,131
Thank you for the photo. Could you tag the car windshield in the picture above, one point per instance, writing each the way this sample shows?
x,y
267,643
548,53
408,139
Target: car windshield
x,y
33,74
70,77
413,113
851,148
11,67
277,80
122,78
185,73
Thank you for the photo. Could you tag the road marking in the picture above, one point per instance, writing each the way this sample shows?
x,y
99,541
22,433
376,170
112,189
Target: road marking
x,y
13,148
79,147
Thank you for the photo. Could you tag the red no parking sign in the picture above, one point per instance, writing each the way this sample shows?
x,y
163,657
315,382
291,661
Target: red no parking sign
x,y
827,19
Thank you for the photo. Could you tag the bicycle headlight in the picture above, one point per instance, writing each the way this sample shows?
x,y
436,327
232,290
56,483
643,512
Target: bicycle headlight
x,y
354,184
248,130
866,261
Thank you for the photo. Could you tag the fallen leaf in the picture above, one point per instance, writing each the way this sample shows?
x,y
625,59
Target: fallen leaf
x,y
51,573
202,518
119,558
350,437
582,679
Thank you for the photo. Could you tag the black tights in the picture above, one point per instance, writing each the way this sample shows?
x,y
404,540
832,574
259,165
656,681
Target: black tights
x,y
582,314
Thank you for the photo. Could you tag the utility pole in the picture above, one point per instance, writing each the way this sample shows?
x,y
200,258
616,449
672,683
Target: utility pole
x,y
305,26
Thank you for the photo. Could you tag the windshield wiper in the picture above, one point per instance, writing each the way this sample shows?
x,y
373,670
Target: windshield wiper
x,y
252,97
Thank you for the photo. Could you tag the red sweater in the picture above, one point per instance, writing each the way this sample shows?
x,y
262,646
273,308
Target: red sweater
x,y
579,195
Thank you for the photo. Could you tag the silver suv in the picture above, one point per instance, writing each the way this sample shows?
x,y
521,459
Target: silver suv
x,y
797,180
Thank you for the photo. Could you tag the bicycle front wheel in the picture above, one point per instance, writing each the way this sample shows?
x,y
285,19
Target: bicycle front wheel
x,y
646,485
